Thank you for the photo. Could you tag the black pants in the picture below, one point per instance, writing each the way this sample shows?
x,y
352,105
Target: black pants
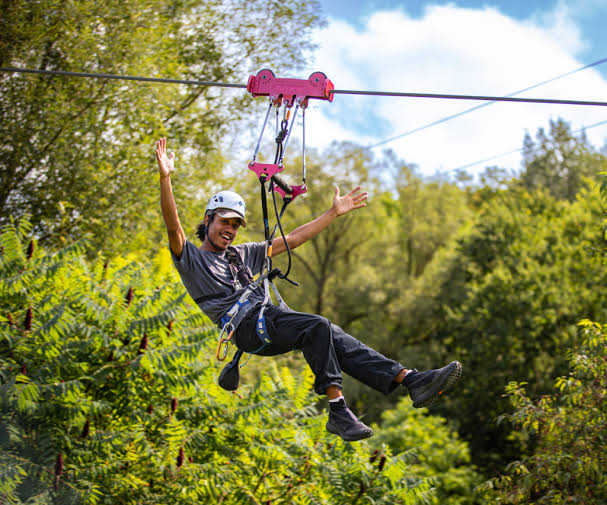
x,y
325,346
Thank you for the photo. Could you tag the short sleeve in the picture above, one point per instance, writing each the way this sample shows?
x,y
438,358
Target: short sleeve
x,y
185,262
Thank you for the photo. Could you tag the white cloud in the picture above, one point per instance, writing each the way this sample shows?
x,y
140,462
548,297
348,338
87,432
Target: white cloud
x,y
457,51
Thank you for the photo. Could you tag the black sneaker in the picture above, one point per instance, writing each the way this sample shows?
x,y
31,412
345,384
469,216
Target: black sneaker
x,y
344,423
425,387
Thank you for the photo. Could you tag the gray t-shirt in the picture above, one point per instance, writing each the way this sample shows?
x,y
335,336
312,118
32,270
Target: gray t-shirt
x,y
208,279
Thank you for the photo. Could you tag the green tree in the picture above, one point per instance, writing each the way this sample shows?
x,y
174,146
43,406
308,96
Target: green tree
x,y
505,302
559,160
430,213
434,451
566,431
80,156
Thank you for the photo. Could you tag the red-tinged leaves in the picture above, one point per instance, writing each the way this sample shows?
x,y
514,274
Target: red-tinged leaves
x,y
129,297
361,490
59,465
23,372
143,345
86,429
11,321
173,405
382,462
30,249
150,408
180,457
374,456
27,323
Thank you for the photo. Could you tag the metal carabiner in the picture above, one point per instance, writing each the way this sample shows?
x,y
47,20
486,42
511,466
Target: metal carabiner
x,y
225,341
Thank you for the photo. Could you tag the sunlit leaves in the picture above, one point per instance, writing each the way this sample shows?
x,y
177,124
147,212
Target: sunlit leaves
x,y
91,415
568,431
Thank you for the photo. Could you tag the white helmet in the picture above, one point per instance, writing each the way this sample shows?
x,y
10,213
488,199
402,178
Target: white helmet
x,y
228,204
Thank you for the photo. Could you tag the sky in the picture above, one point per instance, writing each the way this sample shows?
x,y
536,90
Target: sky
x,y
464,47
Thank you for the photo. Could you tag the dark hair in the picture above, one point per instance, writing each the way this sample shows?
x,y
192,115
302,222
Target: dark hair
x,y
201,230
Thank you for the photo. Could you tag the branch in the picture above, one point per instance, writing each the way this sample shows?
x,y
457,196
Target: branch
x,y
307,266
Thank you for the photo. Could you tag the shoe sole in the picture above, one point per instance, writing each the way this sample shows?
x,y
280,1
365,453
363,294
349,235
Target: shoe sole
x,y
347,438
453,375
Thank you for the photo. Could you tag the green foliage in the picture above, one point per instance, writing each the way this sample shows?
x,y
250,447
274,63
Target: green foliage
x,y
429,214
431,450
108,394
559,161
567,430
81,157
505,303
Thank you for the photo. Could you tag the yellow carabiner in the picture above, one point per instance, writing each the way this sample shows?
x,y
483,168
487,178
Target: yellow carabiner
x,y
225,341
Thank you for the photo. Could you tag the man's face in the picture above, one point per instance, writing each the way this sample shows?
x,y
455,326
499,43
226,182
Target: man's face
x,y
222,231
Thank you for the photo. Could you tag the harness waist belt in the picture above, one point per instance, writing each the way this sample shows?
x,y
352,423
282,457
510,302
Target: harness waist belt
x,y
244,309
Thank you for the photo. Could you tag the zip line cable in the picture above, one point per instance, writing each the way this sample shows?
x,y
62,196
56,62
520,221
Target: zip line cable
x,y
468,97
335,91
486,104
120,77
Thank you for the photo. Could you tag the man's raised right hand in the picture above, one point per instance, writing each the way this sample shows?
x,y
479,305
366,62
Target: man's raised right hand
x,y
165,163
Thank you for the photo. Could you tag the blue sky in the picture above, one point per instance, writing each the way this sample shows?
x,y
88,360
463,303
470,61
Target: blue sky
x,y
459,47
589,15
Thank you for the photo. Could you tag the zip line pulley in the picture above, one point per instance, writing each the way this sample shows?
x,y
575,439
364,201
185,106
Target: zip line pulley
x,y
287,92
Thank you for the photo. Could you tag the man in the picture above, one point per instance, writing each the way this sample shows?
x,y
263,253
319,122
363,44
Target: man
x,y
216,273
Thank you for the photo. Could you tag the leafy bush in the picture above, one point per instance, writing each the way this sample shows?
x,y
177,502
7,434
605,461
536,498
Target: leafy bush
x,y
568,431
108,394
432,450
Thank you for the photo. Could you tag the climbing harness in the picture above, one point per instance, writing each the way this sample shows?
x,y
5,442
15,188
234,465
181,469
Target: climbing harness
x,y
287,93
231,319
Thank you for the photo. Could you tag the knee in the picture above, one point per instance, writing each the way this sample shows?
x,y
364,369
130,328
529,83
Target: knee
x,y
320,327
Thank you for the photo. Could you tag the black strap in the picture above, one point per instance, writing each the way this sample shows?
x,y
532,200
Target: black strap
x,y
241,274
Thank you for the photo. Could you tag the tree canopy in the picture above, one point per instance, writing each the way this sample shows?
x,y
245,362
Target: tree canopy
x,y
77,153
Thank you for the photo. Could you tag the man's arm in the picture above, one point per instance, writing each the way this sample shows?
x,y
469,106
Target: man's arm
x,y
167,201
341,205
